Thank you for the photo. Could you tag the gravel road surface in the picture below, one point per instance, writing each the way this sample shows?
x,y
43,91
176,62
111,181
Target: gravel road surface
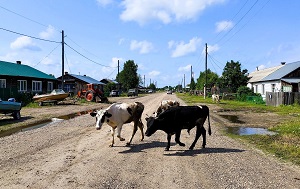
x,y
73,154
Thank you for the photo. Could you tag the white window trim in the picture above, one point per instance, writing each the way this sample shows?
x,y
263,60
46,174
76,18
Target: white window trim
x,y
20,85
51,83
4,83
41,87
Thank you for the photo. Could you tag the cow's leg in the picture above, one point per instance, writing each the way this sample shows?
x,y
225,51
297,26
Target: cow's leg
x,y
112,130
141,127
177,138
169,142
133,133
203,131
119,128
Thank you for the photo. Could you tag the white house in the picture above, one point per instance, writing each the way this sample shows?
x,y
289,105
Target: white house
x,y
282,78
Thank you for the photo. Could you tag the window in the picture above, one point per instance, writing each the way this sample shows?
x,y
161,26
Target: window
x,y
22,85
2,83
263,88
273,87
36,86
256,90
50,86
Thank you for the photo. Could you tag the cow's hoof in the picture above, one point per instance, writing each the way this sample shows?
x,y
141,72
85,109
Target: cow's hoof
x,y
191,148
111,145
122,139
127,144
181,144
166,149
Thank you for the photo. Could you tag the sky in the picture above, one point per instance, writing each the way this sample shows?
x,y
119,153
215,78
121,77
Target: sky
x,y
165,38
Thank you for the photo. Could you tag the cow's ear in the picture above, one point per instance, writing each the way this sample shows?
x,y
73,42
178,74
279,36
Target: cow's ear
x,y
107,114
93,114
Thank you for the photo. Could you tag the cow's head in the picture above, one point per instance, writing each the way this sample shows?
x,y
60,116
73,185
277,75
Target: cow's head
x,y
101,117
152,126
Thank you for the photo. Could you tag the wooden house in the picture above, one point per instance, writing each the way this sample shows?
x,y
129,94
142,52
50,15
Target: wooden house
x,y
23,78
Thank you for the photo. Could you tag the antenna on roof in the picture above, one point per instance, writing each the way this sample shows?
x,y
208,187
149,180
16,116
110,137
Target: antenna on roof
x,y
283,63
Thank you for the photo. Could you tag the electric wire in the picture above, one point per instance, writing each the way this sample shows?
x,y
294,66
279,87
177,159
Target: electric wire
x,y
46,56
87,57
29,36
238,22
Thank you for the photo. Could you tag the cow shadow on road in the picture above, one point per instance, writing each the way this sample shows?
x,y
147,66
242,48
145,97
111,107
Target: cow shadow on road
x,y
202,151
135,148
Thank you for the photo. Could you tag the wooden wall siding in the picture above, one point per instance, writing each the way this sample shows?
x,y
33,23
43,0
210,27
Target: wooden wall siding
x,y
282,98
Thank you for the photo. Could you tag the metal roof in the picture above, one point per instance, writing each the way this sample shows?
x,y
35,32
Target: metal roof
x,y
258,75
283,71
291,80
14,69
87,79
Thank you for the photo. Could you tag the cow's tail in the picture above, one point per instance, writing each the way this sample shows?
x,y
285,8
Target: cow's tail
x,y
209,129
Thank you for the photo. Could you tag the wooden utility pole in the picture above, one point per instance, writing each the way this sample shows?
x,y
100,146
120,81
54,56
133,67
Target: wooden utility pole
x,y
205,71
62,59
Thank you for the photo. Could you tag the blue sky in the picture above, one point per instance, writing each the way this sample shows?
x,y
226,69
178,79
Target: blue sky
x,y
163,37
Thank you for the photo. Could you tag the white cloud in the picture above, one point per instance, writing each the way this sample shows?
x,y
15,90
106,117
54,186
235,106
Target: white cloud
x,y
113,65
24,42
211,49
224,26
143,46
48,33
153,73
182,48
185,68
165,11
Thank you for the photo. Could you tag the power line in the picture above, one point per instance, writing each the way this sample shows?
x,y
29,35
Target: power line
x,y
237,22
29,36
87,57
46,56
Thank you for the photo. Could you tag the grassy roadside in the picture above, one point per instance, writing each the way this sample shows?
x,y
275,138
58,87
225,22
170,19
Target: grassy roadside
x,y
285,145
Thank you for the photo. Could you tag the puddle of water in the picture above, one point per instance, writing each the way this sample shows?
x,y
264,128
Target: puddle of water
x,y
249,131
42,123
232,118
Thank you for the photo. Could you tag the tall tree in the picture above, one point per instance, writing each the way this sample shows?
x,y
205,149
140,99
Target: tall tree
x,y
233,77
128,77
192,84
212,78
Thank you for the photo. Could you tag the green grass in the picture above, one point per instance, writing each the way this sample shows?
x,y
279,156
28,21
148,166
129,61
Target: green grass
x,y
285,145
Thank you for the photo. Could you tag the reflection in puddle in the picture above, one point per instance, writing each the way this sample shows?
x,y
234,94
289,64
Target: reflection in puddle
x,y
232,118
249,131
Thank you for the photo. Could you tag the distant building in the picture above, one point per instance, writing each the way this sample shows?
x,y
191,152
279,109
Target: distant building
x,y
282,78
23,78
74,83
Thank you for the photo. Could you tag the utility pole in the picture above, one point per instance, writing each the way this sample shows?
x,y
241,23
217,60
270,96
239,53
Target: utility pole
x,y
205,71
62,59
118,67
191,73
184,81
144,81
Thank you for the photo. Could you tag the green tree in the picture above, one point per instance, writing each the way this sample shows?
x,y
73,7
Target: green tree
x,y
233,77
152,86
192,84
128,77
212,78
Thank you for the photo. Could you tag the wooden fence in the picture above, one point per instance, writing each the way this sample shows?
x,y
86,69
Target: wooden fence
x,y
282,98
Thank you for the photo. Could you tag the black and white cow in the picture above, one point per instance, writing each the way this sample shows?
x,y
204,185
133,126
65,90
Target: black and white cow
x,y
118,114
173,120
164,105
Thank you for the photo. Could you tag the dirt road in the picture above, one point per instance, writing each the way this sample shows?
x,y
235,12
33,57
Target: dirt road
x,y
72,154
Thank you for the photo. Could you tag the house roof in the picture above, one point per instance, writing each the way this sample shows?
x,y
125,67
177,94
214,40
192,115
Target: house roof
x,y
274,73
14,69
87,79
109,81
283,71
258,75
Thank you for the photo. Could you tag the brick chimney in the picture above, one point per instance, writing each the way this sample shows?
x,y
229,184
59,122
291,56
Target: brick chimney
x,y
283,63
18,62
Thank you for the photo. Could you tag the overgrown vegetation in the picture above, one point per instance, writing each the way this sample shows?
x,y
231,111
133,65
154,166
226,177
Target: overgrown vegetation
x,y
285,145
